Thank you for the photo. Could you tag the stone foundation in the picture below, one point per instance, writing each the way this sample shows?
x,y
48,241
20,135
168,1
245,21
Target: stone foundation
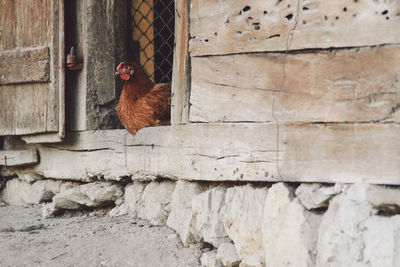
x,y
274,224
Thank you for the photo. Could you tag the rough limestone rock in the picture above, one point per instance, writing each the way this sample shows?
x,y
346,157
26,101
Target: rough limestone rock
x,y
209,259
133,196
95,194
22,193
155,204
340,241
384,198
119,210
181,218
243,214
254,260
314,195
29,177
207,210
228,255
382,241
289,230
351,234
48,210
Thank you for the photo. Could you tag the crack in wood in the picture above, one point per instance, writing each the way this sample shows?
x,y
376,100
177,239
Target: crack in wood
x,y
82,150
257,161
394,110
215,157
266,151
247,88
288,44
143,145
371,97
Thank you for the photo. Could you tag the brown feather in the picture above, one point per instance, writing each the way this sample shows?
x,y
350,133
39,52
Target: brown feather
x,y
143,104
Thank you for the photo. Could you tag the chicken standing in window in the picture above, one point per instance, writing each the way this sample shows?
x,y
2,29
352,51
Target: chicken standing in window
x,y
142,103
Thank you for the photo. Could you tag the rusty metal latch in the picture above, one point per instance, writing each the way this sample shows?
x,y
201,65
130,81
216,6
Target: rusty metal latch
x,y
72,60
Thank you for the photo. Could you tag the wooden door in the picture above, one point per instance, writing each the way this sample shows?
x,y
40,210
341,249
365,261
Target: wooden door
x,y
32,69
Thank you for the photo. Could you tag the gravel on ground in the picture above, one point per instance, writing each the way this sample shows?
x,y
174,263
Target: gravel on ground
x,y
90,239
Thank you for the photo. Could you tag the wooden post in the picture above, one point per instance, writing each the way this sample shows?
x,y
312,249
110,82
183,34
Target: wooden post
x,y
181,65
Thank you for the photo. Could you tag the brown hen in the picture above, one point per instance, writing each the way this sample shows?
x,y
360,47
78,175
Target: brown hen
x,y
142,103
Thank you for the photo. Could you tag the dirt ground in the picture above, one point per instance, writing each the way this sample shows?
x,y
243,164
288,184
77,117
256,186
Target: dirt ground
x,y
26,239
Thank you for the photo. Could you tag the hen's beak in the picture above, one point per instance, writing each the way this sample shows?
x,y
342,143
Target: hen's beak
x,y
117,73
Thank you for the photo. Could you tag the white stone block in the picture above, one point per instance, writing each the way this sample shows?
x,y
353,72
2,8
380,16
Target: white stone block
x,y
155,203
254,260
384,198
243,214
119,210
340,241
95,194
48,210
209,259
21,193
67,185
314,195
207,209
228,255
382,241
351,234
289,230
133,196
181,218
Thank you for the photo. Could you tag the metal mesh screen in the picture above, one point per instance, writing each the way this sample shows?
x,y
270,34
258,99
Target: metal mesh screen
x,y
153,29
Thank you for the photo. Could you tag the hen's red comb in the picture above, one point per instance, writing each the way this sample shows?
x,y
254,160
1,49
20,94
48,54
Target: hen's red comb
x,y
120,65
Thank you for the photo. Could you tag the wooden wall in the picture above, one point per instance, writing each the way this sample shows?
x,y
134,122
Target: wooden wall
x,y
315,77
342,64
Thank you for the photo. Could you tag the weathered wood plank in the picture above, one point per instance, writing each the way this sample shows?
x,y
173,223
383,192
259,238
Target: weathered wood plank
x,y
7,34
229,26
24,23
181,67
34,22
26,65
43,138
346,85
342,152
24,109
32,74
239,152
18,157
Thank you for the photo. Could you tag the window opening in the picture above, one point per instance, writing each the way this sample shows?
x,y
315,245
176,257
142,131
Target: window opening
x,y
153,32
